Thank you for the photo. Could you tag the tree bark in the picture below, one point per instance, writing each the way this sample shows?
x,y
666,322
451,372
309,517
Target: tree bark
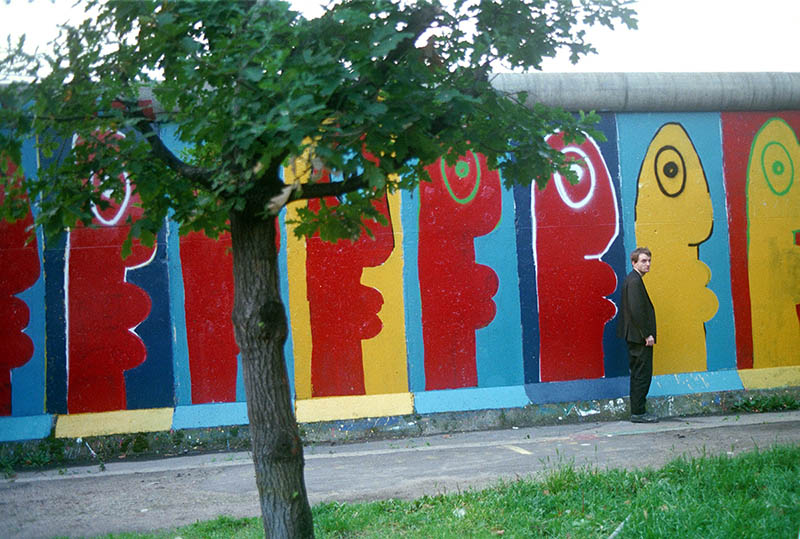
x,y
260,327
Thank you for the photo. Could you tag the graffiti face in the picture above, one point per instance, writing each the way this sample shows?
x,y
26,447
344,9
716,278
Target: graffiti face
x,y
103,308
344,312
575,225
673,217
773,199
461,203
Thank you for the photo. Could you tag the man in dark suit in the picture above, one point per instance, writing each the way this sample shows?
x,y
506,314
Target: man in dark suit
x,y
637,325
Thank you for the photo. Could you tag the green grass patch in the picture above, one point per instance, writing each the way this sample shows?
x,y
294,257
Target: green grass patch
x,y
767,403
753,495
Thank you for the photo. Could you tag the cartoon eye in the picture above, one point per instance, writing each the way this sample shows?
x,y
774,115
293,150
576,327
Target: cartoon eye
x,y
570,194
778,168
670,169
463,170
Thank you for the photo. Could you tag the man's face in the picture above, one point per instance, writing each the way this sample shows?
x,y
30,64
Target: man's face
x,y
643,264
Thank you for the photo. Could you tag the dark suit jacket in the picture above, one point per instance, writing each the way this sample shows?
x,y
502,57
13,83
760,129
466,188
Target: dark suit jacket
x,y
638,318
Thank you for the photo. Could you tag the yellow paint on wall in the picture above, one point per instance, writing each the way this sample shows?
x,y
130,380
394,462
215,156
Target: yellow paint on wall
x,y
673,217
298,293
384,356
773,216
333,408
770,378
117,422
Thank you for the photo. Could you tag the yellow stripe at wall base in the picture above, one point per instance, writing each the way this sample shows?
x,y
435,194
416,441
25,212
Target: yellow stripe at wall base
x,y
118,422
776,377
354,407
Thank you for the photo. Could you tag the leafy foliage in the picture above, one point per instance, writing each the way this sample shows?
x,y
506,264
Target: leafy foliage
x,y
250,85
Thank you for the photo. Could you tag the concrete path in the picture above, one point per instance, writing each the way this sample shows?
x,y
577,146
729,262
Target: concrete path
x,y
158,494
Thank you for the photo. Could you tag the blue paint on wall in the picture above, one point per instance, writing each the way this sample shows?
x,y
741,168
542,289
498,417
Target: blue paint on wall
x,y
199,416
150,385
180,347
19,429
55,313
528,300
177,312
695,382
288,347
615,352
28,381
471,398
498,347
415,348
578,390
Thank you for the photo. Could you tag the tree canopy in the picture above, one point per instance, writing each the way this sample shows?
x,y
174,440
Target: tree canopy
x,y
251,85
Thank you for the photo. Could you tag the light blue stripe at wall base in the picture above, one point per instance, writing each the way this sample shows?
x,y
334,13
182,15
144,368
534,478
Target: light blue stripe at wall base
x,y
210,415
18,429
473,398
697,382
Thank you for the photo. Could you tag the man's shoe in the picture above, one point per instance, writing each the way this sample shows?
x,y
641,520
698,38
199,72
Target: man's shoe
x,y
643,418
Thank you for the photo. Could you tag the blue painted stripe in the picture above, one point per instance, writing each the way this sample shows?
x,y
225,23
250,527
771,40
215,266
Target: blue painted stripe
x,y
28,380
180,346
697,382
498,346
528,299
177,313
288,346
150,385
578,390
55,327
18,429
473,398
415,349
210,415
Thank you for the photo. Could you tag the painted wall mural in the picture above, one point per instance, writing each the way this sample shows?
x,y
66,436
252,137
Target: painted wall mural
x,y
472,296
673,216
575,226
773,249
461,203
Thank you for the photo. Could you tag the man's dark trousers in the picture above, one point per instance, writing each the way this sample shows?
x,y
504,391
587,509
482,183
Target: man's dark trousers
x,y
641,366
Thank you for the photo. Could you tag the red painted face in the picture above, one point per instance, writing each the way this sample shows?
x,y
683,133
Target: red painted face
x,y
643,264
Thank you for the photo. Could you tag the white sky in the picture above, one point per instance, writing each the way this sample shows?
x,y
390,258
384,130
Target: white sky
x,y
673,35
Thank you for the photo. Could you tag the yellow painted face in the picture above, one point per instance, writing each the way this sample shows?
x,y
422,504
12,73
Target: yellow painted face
x,y
772,190
773,255
674,215
673,198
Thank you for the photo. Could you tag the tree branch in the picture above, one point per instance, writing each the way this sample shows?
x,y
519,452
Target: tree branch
x,y
308,191
159,150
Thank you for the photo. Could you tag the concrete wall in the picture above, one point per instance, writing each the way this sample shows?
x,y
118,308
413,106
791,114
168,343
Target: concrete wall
x,y
473,297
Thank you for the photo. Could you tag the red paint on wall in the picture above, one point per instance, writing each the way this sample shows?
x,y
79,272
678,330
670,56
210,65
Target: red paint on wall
x,y
19,270
573,310
461,203
207,267
342,311
103,309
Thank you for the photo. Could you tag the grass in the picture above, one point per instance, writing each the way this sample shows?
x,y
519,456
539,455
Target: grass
x,y
767,403
753,495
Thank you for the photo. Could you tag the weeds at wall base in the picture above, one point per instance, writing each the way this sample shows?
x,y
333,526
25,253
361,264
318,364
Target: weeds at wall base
x,y
52,452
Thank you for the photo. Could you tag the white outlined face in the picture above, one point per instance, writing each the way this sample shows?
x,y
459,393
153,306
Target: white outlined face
x,y
585,171
593,195
117,209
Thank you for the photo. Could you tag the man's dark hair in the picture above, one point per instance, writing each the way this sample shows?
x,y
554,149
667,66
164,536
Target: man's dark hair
x,y
640,251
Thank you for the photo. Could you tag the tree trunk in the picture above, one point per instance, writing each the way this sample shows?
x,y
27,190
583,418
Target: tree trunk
x,y
260,326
